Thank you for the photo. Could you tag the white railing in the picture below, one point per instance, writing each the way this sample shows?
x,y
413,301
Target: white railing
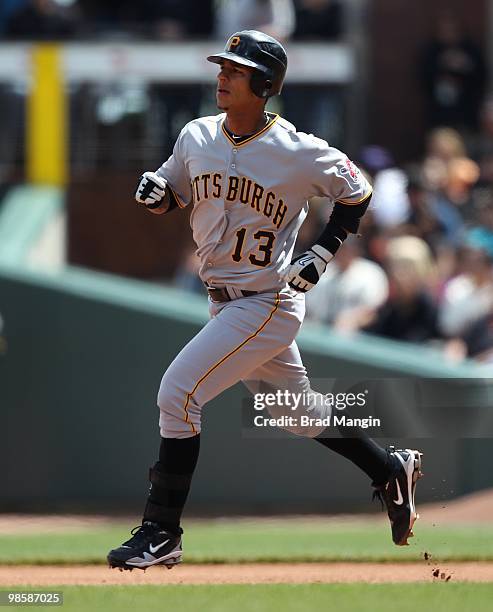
x,y
173,62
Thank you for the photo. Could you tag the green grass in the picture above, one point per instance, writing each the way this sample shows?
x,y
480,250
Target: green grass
x,y
442,597
216,542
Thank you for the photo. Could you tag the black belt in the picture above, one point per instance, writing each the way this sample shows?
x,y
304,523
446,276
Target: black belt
x,y
220,294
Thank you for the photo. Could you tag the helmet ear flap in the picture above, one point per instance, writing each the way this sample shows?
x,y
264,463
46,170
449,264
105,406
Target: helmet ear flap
x,y
260,84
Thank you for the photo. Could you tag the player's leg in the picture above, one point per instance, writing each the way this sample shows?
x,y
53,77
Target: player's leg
x,y
393,472
286,372
285,376
241,335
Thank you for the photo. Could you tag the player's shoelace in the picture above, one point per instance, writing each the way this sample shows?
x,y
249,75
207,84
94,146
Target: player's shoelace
x,y
140,534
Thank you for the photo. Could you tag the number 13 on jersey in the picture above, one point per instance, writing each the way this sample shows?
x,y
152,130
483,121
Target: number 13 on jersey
x,y
263,254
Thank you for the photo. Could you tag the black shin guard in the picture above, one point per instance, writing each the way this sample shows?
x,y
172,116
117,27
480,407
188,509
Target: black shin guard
x,y
170,481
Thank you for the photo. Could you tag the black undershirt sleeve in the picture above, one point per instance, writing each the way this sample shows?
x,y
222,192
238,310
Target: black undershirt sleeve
x,y
344,220
172,201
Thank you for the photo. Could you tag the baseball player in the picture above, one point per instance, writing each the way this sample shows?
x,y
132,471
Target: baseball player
x,y
248,174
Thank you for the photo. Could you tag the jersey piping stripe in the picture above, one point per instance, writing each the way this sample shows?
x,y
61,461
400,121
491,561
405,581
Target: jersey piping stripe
x,y
254,335
253,136
180,203
349,202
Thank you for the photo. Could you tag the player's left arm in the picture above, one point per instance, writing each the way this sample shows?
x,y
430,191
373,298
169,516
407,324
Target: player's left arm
x,y
334,176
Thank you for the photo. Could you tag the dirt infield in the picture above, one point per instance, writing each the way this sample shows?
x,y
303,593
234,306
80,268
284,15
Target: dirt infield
x,y
251,573
476,507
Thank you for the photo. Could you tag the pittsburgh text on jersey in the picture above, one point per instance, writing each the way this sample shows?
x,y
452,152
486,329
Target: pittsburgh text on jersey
x,y
240,189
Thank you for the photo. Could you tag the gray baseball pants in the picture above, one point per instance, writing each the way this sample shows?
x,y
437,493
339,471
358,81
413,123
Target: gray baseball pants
x,y
251,339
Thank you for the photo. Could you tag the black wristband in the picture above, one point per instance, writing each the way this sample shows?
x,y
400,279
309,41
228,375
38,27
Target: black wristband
x,y
332,237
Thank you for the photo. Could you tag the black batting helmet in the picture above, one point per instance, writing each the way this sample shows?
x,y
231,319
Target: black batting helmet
x,y
259,51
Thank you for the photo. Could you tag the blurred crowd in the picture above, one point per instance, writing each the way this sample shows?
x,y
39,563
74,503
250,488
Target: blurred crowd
x,y
168,19
109,115
422,269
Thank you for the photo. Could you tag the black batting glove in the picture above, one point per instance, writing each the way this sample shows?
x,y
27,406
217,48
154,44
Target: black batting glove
x,y
151,190
305,271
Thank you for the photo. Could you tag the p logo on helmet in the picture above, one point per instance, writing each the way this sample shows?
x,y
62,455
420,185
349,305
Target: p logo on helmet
x,y
260,52
234,42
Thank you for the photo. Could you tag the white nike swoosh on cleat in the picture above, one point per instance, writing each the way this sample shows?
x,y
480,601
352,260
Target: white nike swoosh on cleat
x,y
399,499
154,549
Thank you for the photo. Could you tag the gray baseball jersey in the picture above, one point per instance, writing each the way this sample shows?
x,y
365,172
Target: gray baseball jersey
x,y
250,199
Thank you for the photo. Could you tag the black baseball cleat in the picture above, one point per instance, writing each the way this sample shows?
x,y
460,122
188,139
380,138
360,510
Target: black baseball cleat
x,y
398,493
149,545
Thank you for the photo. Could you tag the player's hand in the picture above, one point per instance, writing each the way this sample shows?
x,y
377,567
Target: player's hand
x,y
150,190
305,271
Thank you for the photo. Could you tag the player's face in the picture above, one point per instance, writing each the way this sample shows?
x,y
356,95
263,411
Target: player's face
x,y
233,87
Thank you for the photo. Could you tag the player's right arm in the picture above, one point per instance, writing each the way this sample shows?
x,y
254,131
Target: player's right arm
x,y
153,192
168,187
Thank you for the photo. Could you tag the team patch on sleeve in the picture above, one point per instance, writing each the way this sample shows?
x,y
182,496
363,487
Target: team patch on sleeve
x,y
349,172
